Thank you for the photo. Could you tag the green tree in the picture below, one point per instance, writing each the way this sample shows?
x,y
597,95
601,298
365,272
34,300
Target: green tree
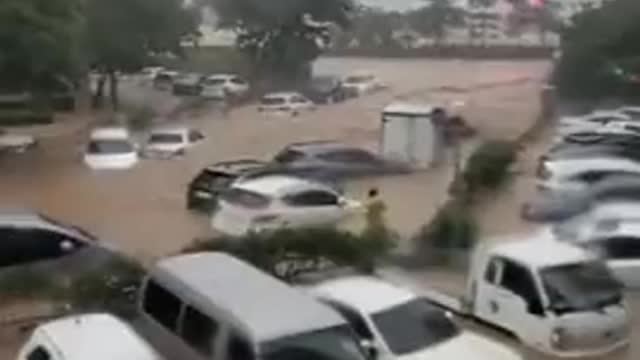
x,y
283,37
593,44
38,43
122,35
436,19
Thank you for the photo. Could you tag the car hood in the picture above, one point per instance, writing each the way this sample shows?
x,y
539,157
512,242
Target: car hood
x,y
464,346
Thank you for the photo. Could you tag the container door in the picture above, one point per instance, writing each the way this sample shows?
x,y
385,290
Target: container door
x,y
423,144
395,138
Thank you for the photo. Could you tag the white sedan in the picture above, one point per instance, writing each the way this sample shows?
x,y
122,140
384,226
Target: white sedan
x,y
168,142
276,201
111,148
287,103
396,324
15,143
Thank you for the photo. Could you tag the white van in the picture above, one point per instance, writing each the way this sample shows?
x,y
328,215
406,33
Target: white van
x,y
554,297
216,307
91,336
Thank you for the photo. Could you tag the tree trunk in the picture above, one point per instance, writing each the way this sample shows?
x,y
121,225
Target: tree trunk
x,y
98,97
113,89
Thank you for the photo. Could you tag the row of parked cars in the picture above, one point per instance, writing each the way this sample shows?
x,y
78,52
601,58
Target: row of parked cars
x,y
560,289
203,306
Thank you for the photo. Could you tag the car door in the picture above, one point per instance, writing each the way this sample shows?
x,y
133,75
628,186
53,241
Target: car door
x,y
622,254
313,208
518,305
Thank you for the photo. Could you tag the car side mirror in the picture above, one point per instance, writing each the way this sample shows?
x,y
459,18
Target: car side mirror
x,y
370,349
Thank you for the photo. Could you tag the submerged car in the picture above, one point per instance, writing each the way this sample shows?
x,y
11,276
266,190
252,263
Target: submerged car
x,y
169,142
188,84
287,103
111,148
325,90
333,161
222,86
205,188
361,83
16,143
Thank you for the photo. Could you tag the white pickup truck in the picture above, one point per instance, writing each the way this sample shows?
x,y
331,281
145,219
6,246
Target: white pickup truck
x,y
554,297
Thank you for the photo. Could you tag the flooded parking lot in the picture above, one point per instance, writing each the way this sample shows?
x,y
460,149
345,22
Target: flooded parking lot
x,y
142,210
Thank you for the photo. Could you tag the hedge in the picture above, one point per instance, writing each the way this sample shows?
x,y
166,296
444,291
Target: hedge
x,y
25,117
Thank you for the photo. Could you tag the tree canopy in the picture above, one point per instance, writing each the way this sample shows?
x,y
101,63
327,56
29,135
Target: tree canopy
x,y
596,42
39,41
282,37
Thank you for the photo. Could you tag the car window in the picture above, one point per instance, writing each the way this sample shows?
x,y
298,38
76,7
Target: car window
x,y
39,353
298,99
272,101
199,330
115,146
245,198
195,135
213,180
162,305
492,271
520,282
350,156
312,198
239,348
238,81
620,248
354,319
165,138
288,156
26,245
591,177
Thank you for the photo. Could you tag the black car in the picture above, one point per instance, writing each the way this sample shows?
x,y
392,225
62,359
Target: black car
x,y
207,185
331,162
34,245
325,90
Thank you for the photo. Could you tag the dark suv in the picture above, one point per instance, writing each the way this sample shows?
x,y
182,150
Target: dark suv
x,y
33,244
206,186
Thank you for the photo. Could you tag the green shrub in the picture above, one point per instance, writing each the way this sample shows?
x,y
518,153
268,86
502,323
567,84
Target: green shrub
x,y
25,117
289,253
488,166
453,228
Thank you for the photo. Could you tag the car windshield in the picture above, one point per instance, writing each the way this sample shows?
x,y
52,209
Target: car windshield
x,y
110,146
215,82
165,138
245,198
357,79
336,343
582,286
288,156
415,325
272,101
214,179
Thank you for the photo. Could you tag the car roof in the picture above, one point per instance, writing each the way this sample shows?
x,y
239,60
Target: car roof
x,y
366,294
320,147
540,250
410,108
267,307
236,167
278,185
222,76
96,337
598,163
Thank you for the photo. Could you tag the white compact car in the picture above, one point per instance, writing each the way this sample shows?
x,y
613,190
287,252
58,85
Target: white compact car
x,y
361,83
168,142
285,103
276,201
16,143
577,174
91,336
220,86
111,148
396,324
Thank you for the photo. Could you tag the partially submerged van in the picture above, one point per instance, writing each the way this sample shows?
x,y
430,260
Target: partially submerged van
x,y
554,297
214,306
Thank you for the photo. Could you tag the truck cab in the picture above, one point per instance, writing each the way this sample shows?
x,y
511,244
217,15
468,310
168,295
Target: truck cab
x,y
554,297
